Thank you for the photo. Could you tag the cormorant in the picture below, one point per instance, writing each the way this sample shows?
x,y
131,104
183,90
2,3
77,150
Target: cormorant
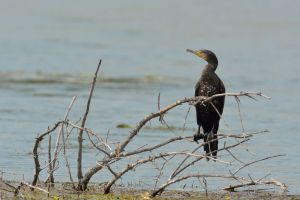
x,y
209,84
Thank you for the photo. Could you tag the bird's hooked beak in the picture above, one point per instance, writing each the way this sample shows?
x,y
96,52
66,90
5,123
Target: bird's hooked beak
x,y
198,53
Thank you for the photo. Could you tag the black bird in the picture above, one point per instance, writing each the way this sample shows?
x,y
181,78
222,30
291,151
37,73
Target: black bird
x,y
209,84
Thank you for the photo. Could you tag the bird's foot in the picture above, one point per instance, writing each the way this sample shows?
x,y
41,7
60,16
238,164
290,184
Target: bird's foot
x,y
197,137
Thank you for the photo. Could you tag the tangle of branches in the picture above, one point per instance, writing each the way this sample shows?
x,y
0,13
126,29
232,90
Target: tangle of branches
x,y
135,158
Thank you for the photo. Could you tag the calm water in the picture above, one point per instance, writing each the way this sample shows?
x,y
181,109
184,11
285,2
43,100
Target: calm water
x,y
49,51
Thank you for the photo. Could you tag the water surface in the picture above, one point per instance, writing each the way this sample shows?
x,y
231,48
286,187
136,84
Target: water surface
x,y
49,51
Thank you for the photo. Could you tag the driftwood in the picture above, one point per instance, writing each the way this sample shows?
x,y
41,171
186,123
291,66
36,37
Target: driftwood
x,y
145,154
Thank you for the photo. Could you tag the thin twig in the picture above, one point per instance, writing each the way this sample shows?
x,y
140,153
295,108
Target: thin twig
x,y
161,170
66,159
217,111
221,136
138,151
33,187
245,165
89,131
112,171
50,178
181,169
185,118
234,156
139,162
158,107
170,182
205,186
238,101
60,134
163,155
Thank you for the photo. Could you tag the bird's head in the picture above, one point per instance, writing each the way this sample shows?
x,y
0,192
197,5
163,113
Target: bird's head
x,y
206,55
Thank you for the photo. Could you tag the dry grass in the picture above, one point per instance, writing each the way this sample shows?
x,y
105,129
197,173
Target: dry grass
x,y
95,192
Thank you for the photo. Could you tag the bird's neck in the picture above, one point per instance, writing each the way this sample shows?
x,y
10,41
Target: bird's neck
x,y
210,67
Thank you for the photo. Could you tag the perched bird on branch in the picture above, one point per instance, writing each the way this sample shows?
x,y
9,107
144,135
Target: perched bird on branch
x,y
209,113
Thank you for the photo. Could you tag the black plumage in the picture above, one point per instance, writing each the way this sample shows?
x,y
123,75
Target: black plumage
x,y
208,115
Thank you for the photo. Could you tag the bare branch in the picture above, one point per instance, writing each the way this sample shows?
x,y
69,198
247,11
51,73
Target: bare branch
x,y
139,162
245,165
35,152
50,179
80,139
60,134
89,131
203,99
138,127
161,170
221,136
113,156
138,151
172,181
33,187
185,118
88,175
181,169
158,107
234,156
66,160
112,171
162,155
239,111
252,182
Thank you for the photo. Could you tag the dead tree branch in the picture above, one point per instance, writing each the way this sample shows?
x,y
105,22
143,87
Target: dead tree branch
x,y
35,152
198,99
143,161
117,156
163,155
90,132
172,181
67,161
60,134
180,169
138,151
247,164
50,179
232,188
80,139
33,187
194,100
